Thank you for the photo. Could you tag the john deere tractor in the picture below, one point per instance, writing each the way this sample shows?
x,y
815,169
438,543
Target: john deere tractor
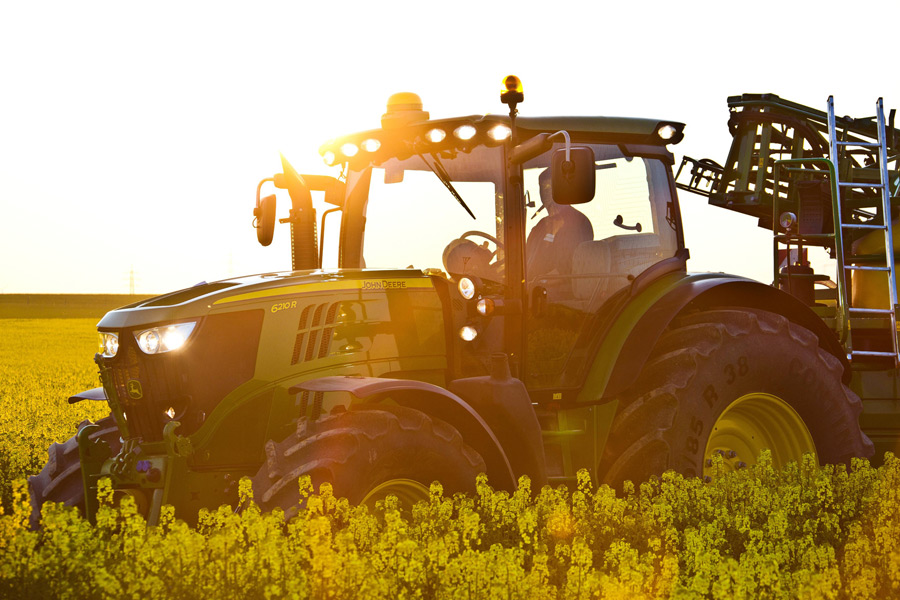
x,y
510,297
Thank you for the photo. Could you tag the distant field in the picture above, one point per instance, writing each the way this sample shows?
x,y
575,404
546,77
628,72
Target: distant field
x,y
62,306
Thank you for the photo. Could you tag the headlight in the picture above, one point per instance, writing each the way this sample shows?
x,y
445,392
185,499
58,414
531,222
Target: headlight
x,y
485,306
109,344
468,333
164,338
466,288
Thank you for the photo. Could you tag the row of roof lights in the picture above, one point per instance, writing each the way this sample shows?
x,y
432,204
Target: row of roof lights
x,y
498,133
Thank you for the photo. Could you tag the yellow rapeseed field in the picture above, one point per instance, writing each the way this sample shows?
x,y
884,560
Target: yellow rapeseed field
x,y
803,532
42,363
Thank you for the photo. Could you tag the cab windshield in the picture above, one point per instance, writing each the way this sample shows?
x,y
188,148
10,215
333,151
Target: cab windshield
x,y
417,213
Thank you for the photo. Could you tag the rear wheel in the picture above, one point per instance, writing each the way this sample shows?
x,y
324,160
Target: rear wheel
x,y
368,453
60,479
733,382
753,423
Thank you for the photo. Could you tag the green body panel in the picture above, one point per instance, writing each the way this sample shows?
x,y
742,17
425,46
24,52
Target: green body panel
x,y
609,351
577,441
353,322
583,430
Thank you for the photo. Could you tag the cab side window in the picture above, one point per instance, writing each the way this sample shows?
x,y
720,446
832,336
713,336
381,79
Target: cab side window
x,y
579,256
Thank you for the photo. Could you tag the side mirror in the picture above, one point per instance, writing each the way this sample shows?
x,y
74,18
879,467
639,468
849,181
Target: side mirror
x,y
573,180
265,220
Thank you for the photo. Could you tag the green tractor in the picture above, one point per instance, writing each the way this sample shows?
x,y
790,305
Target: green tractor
x,y
511,298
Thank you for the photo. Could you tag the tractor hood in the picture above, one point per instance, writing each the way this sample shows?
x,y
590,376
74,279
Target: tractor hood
x,y
269,288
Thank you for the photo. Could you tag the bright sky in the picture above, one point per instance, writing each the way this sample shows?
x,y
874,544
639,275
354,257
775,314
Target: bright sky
x,y
132,135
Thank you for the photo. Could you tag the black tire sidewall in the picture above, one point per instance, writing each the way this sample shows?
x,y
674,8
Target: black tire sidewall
x,y
359,449
757,363
401,455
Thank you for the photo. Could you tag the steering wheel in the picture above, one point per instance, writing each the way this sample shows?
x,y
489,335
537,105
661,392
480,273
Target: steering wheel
x,y
497,265
486,236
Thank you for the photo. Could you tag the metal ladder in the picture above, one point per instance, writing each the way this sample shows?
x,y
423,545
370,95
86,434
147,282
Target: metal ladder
x,y
883,187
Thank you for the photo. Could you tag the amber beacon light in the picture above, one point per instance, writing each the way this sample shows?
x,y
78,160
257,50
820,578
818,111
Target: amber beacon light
x,y
512,91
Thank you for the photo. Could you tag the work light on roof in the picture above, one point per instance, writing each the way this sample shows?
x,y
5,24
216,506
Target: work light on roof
x,y
436,135
666,132
371,145
349,150
465,132
499,132
329,158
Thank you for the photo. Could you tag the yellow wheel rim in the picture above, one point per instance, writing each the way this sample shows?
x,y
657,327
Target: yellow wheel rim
x,y
753,423
407,491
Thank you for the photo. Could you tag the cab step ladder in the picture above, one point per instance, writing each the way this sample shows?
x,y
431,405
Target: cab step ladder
x,y
883,186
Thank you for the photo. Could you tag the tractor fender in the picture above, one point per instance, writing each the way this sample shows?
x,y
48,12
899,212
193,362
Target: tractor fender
x,y
431,400
505,405
660,303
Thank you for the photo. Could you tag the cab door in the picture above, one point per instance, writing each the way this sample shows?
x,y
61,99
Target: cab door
x,y
580,257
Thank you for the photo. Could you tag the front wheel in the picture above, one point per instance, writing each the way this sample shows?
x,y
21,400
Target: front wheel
x,y
60,479
733,382
368,453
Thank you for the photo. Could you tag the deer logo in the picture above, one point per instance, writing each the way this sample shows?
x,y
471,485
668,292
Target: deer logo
x,y
135,392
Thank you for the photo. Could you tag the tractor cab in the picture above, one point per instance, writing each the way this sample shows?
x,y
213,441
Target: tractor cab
x,y
533,226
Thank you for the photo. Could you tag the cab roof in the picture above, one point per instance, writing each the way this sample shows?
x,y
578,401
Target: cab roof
x,y
376,145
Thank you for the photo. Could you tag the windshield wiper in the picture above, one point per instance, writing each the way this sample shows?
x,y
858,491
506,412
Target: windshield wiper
x,y
438,169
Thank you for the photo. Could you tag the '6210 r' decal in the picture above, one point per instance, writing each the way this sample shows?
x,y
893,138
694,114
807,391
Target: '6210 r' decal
x,y
283,306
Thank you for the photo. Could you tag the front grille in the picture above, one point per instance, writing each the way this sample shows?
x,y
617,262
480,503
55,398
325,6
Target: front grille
x,y
219,357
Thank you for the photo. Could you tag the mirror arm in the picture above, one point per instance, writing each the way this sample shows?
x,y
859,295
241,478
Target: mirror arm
x,y
537,146
530,149
259,188
565,135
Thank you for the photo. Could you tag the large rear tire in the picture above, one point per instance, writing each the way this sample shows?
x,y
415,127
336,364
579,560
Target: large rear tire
x,y
733,382
368,453
60,479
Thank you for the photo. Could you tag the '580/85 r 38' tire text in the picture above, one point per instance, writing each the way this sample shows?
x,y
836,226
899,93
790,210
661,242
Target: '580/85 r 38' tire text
x,y
733,382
